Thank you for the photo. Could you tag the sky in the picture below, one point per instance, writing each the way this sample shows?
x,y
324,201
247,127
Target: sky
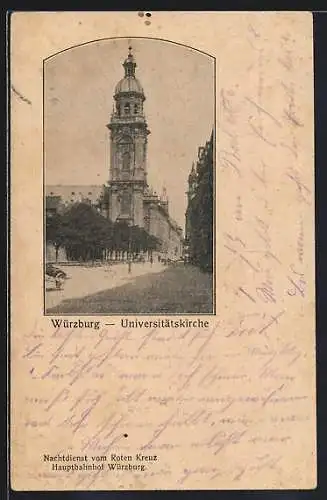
x,y
178,83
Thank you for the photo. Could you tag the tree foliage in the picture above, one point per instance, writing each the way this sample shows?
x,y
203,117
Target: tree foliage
x,y
87,235
200,214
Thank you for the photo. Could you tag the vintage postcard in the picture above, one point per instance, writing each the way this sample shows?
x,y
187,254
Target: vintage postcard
x,y
162,251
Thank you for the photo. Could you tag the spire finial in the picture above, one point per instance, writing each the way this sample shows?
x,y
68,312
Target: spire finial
x,y
129,63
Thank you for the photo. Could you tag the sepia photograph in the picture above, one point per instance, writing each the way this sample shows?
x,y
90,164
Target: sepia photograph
x,y
129,179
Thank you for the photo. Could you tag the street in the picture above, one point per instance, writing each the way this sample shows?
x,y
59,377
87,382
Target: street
x,y
148,289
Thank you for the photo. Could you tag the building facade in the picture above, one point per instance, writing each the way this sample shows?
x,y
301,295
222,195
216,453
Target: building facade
x,y
60,196
127,197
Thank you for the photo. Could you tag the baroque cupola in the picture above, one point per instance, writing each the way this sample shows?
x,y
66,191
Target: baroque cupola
x,y
129,94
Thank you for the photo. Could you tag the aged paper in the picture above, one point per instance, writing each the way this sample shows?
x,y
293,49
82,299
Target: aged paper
x,y
223,397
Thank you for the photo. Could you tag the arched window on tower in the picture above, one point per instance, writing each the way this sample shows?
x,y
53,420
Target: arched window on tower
x,y
125,203
136,109
118,109
126,161
126,108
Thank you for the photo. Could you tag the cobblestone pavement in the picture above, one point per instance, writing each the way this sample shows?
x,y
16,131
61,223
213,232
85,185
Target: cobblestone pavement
x,y
148,289
86,280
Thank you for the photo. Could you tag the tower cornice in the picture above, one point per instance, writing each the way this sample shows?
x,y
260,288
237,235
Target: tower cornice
x,y
129,93
118,124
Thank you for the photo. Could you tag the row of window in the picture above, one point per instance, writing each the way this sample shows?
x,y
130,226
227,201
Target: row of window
x,y
127,108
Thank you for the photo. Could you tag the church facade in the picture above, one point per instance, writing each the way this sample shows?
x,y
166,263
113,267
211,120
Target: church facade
x,y
127,197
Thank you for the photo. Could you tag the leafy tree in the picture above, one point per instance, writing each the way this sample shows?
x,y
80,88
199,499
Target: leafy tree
x,y
90,234
87,235
133,238
200,214
56,231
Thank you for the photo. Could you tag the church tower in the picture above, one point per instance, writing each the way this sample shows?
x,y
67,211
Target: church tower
x,y
128,149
